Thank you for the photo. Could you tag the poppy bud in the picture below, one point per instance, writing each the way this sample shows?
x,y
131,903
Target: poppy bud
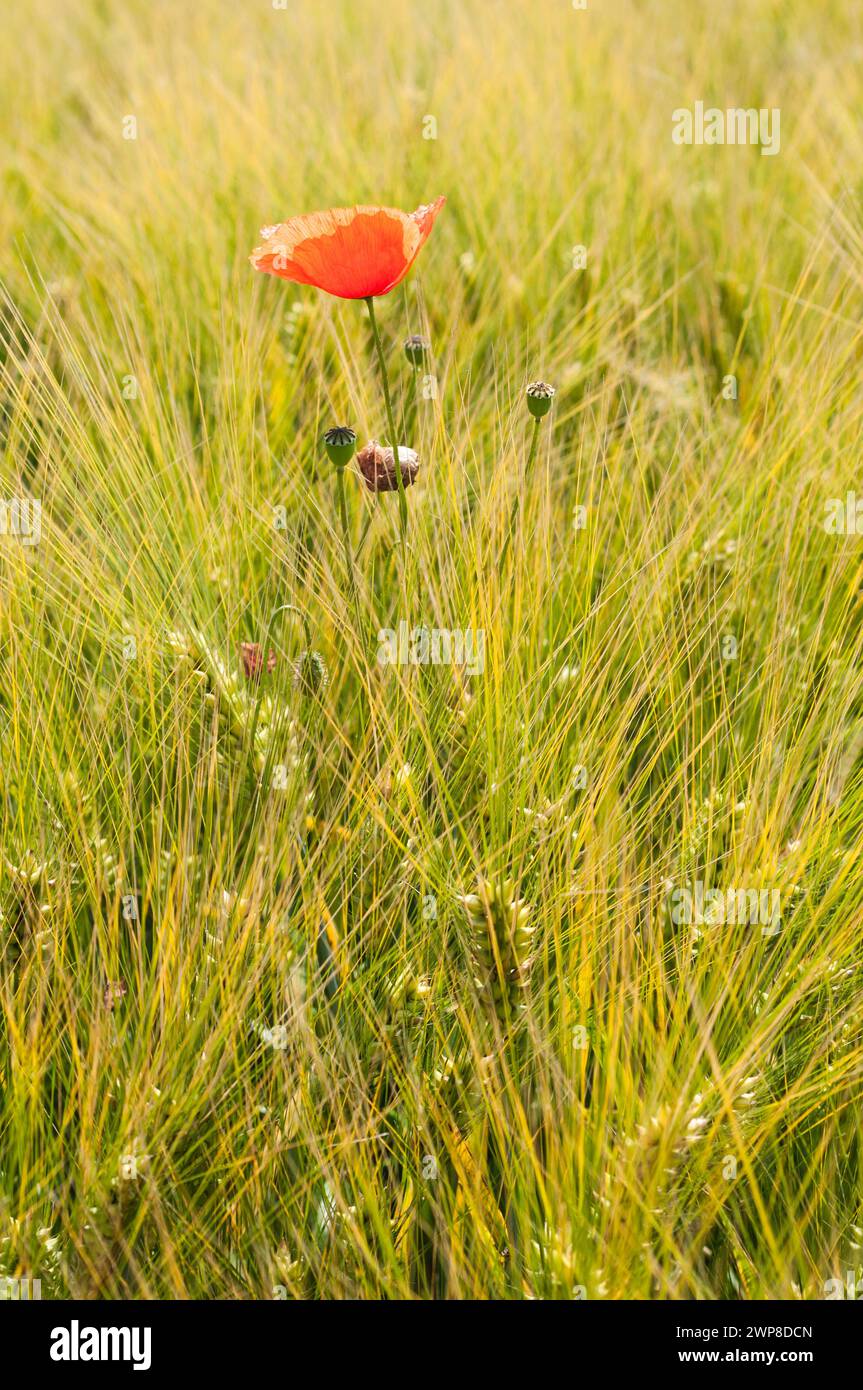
x,y
310,674
253,660
539,395
417,349
378,467
341,444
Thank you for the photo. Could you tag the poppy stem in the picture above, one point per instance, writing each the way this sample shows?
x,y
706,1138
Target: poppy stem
x,y
403,501
349,560
533,444
513,516
290,608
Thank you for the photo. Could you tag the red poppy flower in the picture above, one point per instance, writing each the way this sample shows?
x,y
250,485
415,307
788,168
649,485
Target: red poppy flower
x,y
350,252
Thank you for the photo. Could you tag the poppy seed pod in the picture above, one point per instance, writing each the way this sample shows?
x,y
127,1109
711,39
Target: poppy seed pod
x,y
539,397
417,349
340,443
377,466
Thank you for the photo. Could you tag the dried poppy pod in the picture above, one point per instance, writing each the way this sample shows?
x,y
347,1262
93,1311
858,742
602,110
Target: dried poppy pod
x,y
377,466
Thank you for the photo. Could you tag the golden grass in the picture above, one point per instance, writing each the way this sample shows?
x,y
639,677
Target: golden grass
x,y
302,1089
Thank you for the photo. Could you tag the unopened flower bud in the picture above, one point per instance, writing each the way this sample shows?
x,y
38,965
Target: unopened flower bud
x,y
310,674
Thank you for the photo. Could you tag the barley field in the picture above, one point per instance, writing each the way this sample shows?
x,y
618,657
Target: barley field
x,y
499,936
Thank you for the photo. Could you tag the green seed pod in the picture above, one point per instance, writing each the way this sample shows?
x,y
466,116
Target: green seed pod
x,y
417,349
341,445
539,398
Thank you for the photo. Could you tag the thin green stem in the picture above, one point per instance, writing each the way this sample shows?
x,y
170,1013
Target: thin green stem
x,y
291,608
349,559
265,647
513,515
403,501
352,581
367,527
533,445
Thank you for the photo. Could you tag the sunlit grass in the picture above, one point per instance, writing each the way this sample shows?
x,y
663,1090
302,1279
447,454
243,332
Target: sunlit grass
x,y
242,1047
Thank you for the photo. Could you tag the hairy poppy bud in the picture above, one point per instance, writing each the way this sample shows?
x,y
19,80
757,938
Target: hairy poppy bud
x,y
539,395
253,660
310,674
341,444
377,466
417,349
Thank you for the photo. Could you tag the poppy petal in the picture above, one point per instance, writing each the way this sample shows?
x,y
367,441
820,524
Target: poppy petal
x,y
350,252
